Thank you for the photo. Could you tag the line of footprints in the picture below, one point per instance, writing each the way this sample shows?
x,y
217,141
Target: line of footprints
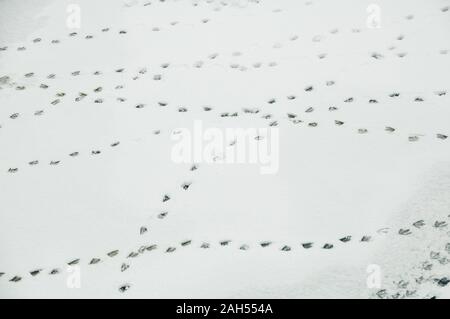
x,y
243,247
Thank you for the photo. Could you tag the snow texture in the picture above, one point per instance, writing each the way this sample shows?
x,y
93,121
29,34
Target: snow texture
x,y
92,204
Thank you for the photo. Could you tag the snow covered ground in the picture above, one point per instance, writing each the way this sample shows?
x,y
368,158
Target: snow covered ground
x,y
93,204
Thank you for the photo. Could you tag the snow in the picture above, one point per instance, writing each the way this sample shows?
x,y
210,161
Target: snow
x,y
332,180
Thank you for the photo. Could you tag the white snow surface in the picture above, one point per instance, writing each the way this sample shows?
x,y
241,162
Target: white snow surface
x,y
332,181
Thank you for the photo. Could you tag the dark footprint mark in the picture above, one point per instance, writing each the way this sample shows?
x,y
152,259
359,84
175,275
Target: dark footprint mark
x,y
250,111
377,56
15,279
307,245
225,242
213,56
115,144
366,239
170,250
441,93
140,106
81,96
186,243
54,272
332,108
346,239
309,88
186,186
265,244
54,163
394,94
327,246
74,262
124,288
401,54
244,247
440,224
362,131
133,254
389,129
13,170
338,123
373,101
286,248
349,100
113,253
162,215
291,115
124,267
166,198
36,272
434,255
413,138
205,245
143,230
33,163
418,99
96,152
309,110
442,136
39,113
14,116
404,232
443,281
151,247
94,261
313,124
419,224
